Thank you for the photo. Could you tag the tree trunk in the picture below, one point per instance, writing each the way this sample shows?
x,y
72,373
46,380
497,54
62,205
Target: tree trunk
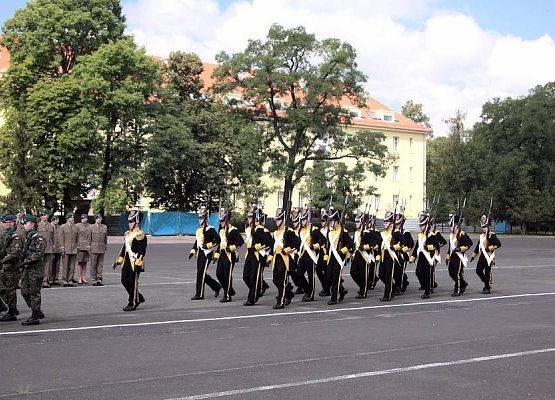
x,y
106,167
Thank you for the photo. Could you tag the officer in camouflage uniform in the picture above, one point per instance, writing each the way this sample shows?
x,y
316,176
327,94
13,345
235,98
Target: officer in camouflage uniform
x,y
32,263
9,267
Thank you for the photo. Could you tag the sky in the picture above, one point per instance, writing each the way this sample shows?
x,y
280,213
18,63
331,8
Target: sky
x,y
446,54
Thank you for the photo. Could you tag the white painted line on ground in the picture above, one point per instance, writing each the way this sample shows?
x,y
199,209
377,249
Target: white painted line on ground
x,y
362,375
274,314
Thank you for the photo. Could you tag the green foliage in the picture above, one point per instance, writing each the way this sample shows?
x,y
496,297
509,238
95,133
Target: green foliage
x,y
295,83
113,201
414,111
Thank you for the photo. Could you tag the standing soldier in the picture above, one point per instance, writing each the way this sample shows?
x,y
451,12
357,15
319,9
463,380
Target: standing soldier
x,y
99,240
391,245
33,269
258,241
9,267
321,267
456,259
230,241
68,249
132,259
83,247
207,240
339,245
56,255
407,243
424,253
286,242
46,231
375,242
485,248
361,257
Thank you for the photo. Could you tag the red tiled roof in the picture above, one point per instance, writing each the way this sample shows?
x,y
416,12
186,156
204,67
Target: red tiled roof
x,y
4,58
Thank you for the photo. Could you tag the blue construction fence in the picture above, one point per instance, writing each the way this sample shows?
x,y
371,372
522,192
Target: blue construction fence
x,y
168,223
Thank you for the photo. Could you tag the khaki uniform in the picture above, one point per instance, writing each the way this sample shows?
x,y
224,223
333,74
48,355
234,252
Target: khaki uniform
x,y
56,255
83,242
68,248
46,231
99,240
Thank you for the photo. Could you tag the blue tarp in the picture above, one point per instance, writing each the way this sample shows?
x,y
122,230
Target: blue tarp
x,y
169,223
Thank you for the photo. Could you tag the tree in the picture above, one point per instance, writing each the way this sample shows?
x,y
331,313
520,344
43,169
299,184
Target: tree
x,y
413,111
296,84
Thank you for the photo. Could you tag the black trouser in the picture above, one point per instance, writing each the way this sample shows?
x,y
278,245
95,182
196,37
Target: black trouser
x,y
359,272
224,273
386,274
456,272
280,279
334,278
321,272
307,266
483,270
202,275
130,281
433,275
252,275
372,274
424,273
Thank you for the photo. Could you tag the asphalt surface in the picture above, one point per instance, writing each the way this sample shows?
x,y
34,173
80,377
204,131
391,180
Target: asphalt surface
x,y
499,346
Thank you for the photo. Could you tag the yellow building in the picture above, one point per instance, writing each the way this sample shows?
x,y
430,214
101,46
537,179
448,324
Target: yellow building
x,y
405,179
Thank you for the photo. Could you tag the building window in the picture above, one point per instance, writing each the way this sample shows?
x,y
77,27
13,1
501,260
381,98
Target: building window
x,y
395,143
410,143
388,118
395,173
410,173
395,200
280,199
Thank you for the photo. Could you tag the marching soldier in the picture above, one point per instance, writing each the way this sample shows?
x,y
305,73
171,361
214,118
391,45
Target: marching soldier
x,y
286,242
391,245
407,243
99,240
321,267
485,251
312,241
46,230
340,245
259,242
33,270
68,249
456,259
230,241
56,255
297,278
132,259
83,247
424,253
361,258
440,240
207,240
9,267
375,242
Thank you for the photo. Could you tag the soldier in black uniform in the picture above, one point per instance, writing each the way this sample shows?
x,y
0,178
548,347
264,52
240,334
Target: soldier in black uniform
x,y
230,242
286,242
206,242
485,248
375,243
10,258
424,253
259,242
391,245
32,262
456,258
339,246
321,267
407,243
361,259
440,240
132,259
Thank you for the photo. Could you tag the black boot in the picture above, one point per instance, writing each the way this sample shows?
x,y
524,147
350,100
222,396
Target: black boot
x,y
463,287
385,298
129,307
225,299
33,319
332,302
486,290
455,294
307,297
10,316
278,306
195,297
425,296
324,293
40,314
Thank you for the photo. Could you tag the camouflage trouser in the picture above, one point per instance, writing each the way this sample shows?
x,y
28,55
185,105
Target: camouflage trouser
x,y
9,279
31,283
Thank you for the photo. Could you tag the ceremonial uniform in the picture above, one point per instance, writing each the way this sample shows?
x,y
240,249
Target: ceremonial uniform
x,y
340,245
99,240
485,251
286,242
10,258
46,230
391,244
206,242
68,248
407,243
259,242
362,257
456,259
424,254
311,242
33,271
375,242
440,241
321,267
132,259
230,242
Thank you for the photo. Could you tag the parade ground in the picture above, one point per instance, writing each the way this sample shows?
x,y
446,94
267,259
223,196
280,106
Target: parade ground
x,y
498,346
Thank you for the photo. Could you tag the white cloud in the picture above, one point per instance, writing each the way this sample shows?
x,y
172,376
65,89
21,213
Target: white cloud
x,y
449,63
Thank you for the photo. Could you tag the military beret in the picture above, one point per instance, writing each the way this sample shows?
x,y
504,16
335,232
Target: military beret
x,y
98,216
83,216
55,218
8,217
70,215
29,218
44,212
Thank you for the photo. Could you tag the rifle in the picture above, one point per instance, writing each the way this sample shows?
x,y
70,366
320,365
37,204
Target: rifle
x,y
342,221
461,210
488,218
394,217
